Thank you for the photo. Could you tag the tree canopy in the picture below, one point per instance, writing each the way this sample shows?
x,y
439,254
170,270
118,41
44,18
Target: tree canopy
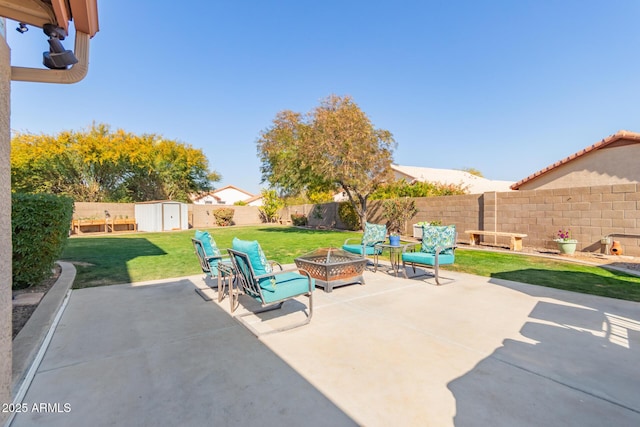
x,y
98,165
335,146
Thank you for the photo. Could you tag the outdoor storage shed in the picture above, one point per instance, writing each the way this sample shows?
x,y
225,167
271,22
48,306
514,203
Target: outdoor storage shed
x,y
162,216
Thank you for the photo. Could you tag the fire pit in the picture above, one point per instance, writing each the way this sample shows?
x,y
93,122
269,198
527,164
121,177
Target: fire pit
x,y
333,267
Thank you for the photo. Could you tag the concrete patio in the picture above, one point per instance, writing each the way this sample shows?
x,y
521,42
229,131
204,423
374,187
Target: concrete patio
x,y
476,352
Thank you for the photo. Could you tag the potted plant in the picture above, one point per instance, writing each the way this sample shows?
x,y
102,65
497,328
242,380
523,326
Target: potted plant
x,y
398,212
394,238
417,227
566,245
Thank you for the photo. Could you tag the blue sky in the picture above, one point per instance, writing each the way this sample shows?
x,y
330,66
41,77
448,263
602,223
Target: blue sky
x,y
506,87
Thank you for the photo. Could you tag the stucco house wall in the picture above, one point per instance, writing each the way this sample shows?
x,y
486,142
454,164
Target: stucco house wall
x,y
207,200
5,229
229,195
616,164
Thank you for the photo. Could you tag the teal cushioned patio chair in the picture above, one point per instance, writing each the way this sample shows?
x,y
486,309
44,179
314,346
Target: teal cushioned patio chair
x,y
258,279
373,235
209,256
437,248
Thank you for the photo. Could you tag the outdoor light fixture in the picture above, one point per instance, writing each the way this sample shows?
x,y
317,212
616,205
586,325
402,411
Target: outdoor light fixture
x,y
22,28
57,58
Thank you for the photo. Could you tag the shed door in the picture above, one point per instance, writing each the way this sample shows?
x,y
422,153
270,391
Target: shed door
x,y
171,216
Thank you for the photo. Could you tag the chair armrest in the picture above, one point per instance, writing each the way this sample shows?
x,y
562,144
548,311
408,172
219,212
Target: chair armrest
x,y
410,245
301,271
286,270
217,257
274,264
439,249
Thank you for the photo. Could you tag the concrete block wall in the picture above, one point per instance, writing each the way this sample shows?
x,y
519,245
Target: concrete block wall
x,y
201,216
589,212
87,210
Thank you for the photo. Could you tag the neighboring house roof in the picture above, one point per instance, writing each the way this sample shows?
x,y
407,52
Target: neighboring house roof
x,y
228,194
608,141
472,183
231,187
205,195
253,199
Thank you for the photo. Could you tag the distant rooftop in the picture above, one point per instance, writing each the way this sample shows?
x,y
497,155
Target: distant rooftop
x,y
473,183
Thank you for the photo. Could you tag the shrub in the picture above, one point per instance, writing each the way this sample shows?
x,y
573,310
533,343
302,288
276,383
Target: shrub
x,y
298,219
223,216
271,205
436,222
40,225
349,216
402,188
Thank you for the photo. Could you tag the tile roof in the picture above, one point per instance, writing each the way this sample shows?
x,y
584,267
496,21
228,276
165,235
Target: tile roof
x,y
622,134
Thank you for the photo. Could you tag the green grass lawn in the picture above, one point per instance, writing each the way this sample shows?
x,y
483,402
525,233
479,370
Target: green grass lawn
x,y
125,258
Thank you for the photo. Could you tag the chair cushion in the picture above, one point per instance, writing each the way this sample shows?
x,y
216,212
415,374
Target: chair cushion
x,y
374,233
211,251
258,261
210,247
357,249
438,236
288,285
427,259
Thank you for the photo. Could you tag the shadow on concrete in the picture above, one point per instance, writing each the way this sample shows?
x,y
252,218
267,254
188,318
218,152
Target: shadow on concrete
x,y
99,263
155,354
575,365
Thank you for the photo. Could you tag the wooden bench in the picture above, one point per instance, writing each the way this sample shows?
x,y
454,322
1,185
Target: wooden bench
x,y
93,224
102,225
112,223
516,238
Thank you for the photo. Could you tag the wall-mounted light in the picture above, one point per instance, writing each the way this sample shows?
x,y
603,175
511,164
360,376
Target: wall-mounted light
x,y
58,58
22,28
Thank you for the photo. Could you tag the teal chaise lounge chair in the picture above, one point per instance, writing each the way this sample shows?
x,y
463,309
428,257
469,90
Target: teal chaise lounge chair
x,y
271,287
437,248
209,256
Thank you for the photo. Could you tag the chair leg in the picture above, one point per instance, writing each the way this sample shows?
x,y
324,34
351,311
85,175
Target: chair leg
x,y
240,318
234,294
221,286
436,274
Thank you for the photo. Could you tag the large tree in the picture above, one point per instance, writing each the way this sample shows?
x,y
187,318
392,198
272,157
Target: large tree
x,y
335,146
98,165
